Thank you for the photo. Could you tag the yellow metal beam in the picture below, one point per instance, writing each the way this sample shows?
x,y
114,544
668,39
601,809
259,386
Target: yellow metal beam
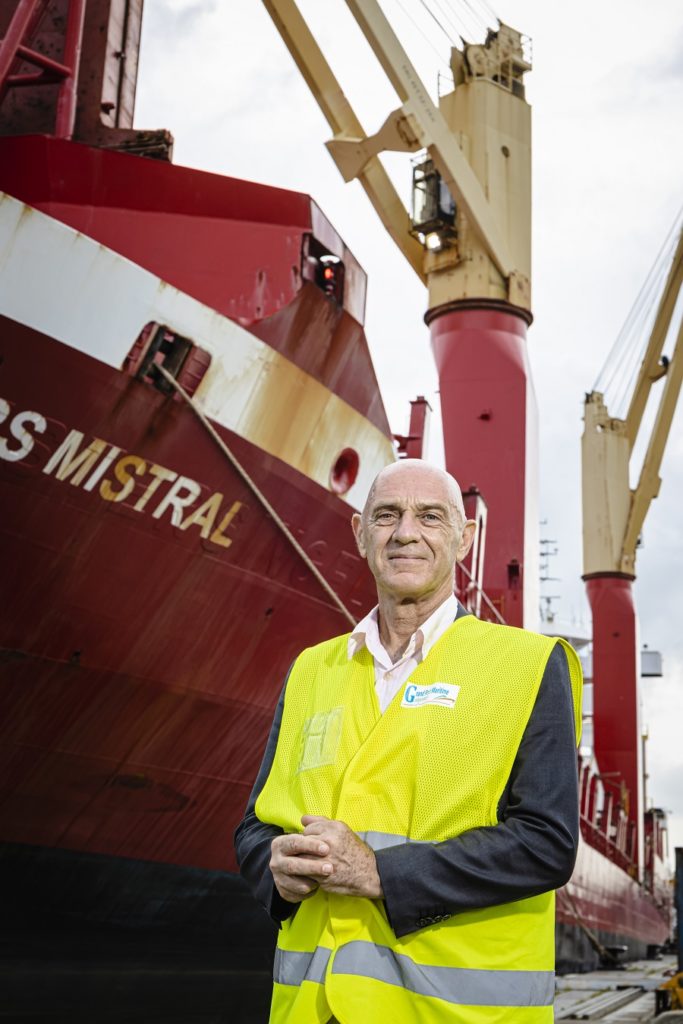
x,y
650,369
613,514
436,135
606,495
345,125
650,480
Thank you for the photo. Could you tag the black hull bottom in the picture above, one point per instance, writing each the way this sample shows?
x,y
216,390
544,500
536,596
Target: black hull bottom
x,y
92,938
88,977
133,895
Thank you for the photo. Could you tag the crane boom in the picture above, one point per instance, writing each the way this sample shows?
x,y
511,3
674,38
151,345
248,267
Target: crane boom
x,y
340,116
436,136
613,512
650,369
650,481
420,124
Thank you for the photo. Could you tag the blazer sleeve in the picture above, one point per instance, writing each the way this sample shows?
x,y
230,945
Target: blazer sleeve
x,y
253,837
531,850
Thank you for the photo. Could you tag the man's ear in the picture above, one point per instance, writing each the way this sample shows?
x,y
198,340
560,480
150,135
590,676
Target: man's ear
x,y
357,525
468,532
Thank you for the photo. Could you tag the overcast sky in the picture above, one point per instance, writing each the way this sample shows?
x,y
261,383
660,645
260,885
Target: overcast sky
x,y
607,97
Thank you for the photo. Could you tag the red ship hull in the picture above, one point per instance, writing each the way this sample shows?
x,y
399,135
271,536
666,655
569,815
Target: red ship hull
x,y
140,665
604,899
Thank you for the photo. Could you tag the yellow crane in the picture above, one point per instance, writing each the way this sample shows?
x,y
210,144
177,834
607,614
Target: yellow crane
x,y
468,237
613,512
613,517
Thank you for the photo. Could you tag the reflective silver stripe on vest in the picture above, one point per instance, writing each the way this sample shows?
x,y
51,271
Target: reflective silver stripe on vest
x,y
291,968
452,984
383,840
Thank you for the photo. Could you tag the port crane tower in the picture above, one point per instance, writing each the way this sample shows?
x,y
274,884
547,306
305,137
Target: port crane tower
x,y
468,238
613,518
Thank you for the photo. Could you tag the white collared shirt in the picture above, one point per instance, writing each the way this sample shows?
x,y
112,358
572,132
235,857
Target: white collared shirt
x,y
390,676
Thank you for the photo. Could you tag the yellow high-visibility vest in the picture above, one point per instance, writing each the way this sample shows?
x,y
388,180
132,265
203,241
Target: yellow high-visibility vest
x,y
433,765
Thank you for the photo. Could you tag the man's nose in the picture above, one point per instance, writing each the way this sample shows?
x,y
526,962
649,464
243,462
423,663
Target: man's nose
x,y
408,528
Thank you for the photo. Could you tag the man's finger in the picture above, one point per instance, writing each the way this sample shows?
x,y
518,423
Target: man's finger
x,y
308,819
306,845
294,845
319,827
295,889
305,867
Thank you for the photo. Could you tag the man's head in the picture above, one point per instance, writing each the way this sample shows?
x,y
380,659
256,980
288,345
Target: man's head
x,y
413,530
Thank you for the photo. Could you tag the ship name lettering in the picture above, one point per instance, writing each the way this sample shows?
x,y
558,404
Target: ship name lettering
x,y
120,475
17,429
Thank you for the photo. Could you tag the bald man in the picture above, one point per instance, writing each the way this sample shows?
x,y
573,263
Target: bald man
x,y
450,745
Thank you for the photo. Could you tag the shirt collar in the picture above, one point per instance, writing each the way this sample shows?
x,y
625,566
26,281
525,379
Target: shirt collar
x,y
366,632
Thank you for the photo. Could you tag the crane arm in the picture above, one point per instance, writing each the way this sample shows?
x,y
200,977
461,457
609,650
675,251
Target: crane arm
x,y
436,135
650,481
613,513
650,369
417,123
345,125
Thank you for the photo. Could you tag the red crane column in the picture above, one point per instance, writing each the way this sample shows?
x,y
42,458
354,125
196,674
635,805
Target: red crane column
x,y
490,439
616,700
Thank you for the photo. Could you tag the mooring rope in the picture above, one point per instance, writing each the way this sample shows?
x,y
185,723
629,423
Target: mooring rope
x,y
605,954
253,486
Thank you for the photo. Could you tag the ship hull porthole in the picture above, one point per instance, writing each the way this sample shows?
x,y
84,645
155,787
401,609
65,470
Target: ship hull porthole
x,y
344,471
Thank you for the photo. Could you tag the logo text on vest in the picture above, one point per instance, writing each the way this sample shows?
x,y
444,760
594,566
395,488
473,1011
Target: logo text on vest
x,y
443,694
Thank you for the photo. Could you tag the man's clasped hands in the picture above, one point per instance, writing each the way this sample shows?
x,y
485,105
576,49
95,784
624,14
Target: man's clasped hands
x,y
328,855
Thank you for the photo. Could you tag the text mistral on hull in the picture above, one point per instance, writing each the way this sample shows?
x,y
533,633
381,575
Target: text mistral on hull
x,y
115,474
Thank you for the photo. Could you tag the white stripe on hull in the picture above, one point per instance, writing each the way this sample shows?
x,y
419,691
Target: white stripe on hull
x,y
71,288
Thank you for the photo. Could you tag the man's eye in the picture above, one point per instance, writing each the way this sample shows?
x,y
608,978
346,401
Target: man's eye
x,y
385,517
431,517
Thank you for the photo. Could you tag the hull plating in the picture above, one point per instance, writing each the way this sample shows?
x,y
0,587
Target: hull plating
x,y
141,661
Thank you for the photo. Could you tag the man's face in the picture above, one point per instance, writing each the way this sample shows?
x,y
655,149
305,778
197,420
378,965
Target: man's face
x,y
411,533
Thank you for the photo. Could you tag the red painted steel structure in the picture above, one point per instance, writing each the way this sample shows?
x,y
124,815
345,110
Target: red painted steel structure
x,y
413,444
13,49
66,102
14,37
488,426
154,213
616,708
